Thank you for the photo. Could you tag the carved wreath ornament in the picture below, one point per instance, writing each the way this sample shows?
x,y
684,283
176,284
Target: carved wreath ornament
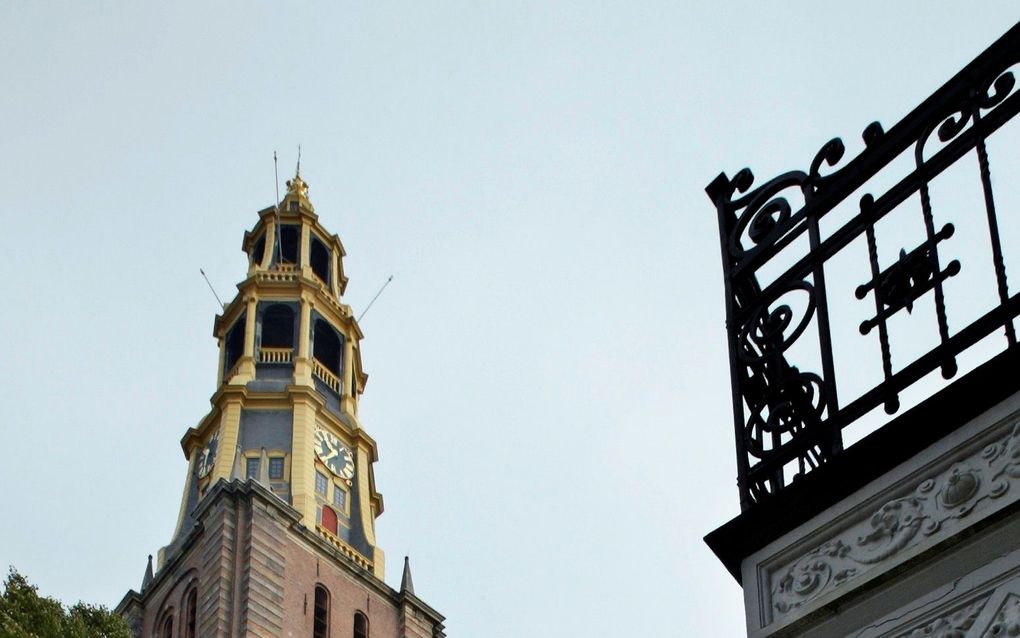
x,y
900,523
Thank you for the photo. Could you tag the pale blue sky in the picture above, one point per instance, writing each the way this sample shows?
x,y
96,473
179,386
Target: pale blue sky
x,y
548,368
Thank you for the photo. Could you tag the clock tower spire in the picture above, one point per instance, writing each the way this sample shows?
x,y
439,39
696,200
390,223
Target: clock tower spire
x,y
286,411
281,461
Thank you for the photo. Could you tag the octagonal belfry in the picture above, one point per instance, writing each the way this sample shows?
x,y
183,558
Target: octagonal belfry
x,y
276,530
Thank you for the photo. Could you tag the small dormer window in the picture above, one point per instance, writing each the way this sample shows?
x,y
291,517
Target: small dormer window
x,y
251,467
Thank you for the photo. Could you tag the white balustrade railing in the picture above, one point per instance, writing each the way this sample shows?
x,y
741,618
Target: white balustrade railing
x,y
275,355
326,376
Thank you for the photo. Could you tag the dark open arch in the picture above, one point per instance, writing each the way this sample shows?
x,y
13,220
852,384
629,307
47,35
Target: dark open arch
x,y
360,625
234,344
278,326
320,626
327,346
319,257
290,237
258,249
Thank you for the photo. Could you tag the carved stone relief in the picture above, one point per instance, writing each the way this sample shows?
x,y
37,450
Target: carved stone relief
x,y
899,524
952,625
1007,619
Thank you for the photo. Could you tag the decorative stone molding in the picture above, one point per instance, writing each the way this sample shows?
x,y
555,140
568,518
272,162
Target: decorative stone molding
x,y
952,625
900,524
1007,619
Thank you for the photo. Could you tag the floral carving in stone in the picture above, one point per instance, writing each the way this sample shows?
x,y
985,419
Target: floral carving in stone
x,y
898,524
952,625
1007,619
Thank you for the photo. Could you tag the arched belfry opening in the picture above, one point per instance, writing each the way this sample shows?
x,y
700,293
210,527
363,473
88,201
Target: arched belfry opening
x,y
258,250
319,257
276,340
233,346
278,327
282,456
327,350
290,240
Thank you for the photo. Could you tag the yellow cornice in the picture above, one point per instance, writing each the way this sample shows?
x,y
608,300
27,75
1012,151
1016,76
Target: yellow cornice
x,y
267,215
277,400
298,287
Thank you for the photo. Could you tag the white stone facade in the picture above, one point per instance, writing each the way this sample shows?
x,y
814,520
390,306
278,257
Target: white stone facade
x,y
931,548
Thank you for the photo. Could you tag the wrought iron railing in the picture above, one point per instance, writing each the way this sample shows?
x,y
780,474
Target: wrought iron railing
x,y
788,420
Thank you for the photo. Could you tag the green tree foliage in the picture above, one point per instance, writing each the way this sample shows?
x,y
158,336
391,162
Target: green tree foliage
x,y
26,614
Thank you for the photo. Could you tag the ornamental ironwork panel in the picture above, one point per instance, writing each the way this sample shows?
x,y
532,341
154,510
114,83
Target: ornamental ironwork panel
x,y
788,418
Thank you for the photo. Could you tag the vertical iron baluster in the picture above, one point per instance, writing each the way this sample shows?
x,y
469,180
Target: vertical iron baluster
x,y
993,228
824,338
949,361
777,376
721,191
892,402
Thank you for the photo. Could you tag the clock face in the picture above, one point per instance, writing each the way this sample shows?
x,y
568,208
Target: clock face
x,y
207,457
336,456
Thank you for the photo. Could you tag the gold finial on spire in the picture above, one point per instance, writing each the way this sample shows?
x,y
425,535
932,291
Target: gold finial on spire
x,y
297,186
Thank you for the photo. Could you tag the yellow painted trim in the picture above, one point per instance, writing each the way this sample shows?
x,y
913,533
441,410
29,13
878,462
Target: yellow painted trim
x,y
230,422
187,491
302,481
364,493
270,453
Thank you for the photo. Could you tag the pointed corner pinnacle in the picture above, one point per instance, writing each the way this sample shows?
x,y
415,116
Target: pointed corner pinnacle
x,y
147,578
406,584
264,468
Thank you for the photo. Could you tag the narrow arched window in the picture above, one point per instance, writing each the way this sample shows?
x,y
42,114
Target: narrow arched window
x,y
191,614
320,622
319,258
167,630
278,327
329,518
360,625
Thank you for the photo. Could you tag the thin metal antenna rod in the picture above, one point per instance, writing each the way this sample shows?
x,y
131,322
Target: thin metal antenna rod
x,y
298,172
276,244
363,312
208,283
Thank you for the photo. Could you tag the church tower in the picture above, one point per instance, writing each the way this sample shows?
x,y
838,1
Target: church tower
x,y
276,531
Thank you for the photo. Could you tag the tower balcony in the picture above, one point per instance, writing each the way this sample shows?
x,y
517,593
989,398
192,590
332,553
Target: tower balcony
x,y
278,273
276,355
322,373
346,550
